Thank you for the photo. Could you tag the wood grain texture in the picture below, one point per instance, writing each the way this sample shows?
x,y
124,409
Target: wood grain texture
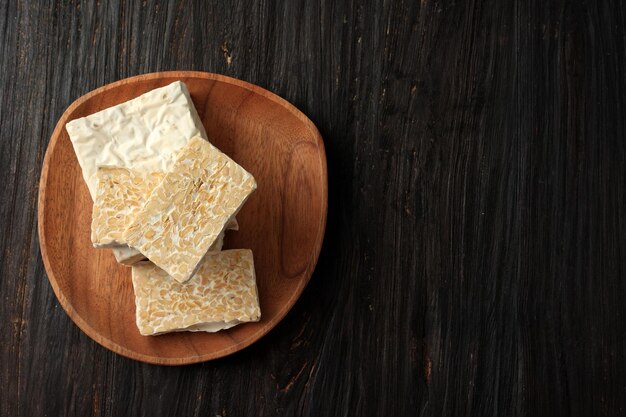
x,y
475,252
282,222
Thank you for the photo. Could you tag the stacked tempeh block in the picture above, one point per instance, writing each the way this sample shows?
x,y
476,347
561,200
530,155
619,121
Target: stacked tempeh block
x,y
161,191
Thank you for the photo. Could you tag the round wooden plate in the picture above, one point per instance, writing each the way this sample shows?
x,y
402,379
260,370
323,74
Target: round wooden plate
x,y
283,221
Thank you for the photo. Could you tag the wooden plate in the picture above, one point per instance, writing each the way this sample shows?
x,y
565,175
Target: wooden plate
x,y
283,221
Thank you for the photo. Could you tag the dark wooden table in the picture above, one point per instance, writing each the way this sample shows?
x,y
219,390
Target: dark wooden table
x,y
475,254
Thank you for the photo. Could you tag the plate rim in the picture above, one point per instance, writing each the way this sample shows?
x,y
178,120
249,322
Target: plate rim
x,y
67,306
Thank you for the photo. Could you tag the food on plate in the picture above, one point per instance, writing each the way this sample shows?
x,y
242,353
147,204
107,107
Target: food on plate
x,y
163,197
220,295
189,209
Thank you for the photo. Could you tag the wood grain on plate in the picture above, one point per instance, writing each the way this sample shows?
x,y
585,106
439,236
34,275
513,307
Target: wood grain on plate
x,y
283,221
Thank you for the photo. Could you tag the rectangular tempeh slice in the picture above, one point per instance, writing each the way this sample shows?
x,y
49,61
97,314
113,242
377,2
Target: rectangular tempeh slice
x,y
220,295
189,209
